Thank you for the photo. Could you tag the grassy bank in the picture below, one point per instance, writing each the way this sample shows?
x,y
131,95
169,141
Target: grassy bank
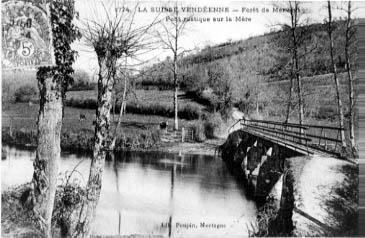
x,y
137,132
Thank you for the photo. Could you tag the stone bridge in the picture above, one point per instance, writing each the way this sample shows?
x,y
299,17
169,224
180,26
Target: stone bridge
x,y
261,153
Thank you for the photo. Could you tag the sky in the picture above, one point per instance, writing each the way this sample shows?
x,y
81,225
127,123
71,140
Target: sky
x,y
260,17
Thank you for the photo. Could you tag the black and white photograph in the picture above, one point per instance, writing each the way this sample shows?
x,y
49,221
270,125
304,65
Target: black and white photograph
x,y
180,118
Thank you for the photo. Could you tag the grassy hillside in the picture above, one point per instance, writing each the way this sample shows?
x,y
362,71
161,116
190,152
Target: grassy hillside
x,y
266,55
253,74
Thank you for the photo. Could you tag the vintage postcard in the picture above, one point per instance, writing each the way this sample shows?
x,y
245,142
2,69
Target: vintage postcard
x,y
126,118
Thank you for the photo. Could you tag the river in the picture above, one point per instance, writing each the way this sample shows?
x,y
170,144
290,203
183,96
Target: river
x,y
142,191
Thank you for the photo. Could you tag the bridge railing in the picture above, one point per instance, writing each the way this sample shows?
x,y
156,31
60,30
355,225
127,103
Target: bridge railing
x,y
326,138
285,132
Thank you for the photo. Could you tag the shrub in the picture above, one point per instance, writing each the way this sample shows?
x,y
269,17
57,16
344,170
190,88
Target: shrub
x,y
69,199
25,93
212,124
189,112
265,220
144,140
327,112
81,81
199,132
82,103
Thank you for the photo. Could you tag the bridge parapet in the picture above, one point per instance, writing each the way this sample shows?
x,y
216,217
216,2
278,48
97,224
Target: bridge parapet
x,y
258,159
304,138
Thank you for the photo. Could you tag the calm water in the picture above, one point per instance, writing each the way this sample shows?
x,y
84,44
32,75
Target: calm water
x,y
141,191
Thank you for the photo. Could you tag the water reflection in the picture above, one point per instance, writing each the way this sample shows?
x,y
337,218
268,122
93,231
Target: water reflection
x,y
144,192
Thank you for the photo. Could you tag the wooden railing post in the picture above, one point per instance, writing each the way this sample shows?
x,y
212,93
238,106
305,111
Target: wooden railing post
x,y
319,143
325,141
338,132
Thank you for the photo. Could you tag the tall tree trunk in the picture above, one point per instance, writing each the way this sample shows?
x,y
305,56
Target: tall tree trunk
x,y
257,104
294,22
176,122
121,112
114,102
290,95
350,78
107,66
288,106
334,71
300,97
351,104
45,165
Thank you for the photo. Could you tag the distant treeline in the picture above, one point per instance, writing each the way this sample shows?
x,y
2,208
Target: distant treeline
x,y
188,112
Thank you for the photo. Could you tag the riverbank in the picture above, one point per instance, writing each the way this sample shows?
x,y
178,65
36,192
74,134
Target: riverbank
x,y
137,132
208,147
83,143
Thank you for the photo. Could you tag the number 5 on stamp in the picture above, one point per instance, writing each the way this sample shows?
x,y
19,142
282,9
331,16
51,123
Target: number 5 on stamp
x,y
27,34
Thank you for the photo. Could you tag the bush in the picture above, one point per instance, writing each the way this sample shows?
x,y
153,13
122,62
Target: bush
x,y
69,199
25,93
199,132
265,220
144,140
81,81
327,112
189,112
82,103
212,124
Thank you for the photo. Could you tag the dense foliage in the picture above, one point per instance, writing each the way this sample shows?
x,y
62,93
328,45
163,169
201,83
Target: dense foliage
x,y
64,33
81,81
25,93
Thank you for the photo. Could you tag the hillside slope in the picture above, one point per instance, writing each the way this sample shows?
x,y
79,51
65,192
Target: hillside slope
x,y
266,55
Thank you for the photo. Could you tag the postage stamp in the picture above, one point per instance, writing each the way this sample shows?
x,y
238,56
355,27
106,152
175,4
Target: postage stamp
x,y
26,34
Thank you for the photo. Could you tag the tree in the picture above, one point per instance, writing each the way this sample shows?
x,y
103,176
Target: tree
x,y
295,34
289,102
52,83
294,16
349,36
330,30
113,35
221,83
123,105
170,36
